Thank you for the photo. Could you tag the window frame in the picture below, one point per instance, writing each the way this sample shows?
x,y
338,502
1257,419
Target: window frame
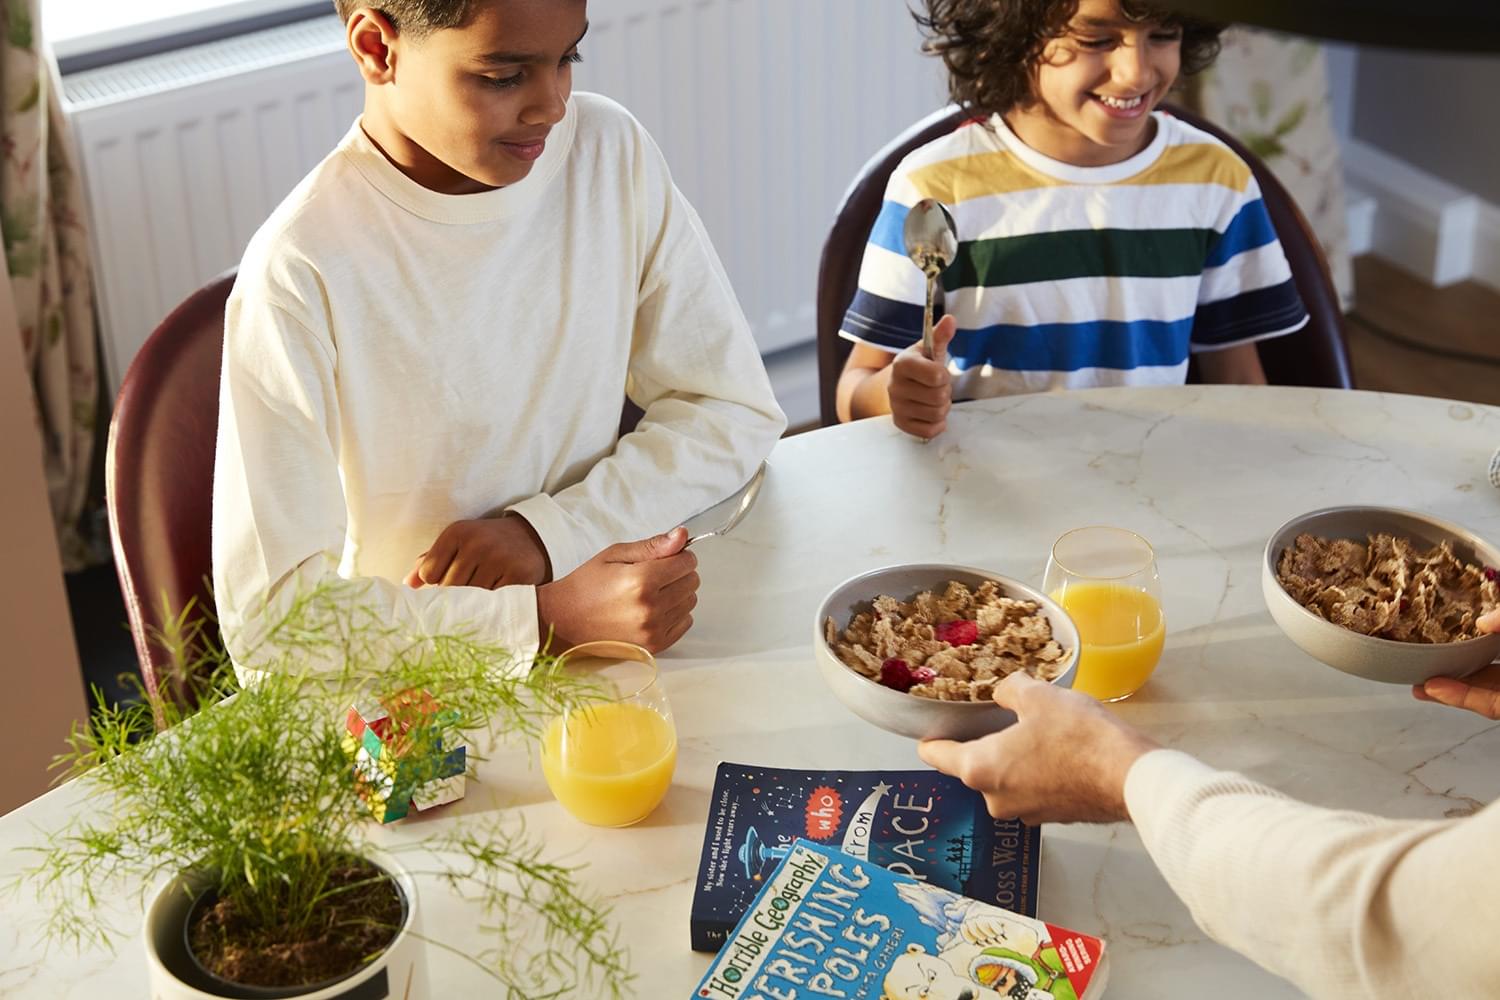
x,y
215,19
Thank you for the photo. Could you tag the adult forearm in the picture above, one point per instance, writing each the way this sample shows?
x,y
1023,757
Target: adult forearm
x,y
1343,904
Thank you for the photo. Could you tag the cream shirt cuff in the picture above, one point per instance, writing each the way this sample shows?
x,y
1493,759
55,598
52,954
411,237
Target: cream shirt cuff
x,y
547,519
1157,780
520,624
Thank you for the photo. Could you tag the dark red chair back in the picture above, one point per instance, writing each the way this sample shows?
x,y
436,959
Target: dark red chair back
x,y
159,479
1316,355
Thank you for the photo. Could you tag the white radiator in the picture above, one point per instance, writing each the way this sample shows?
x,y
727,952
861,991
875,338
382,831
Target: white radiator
x,y
764,108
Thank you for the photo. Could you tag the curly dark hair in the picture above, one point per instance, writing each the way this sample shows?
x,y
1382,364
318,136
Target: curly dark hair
x,y
992,47
417,17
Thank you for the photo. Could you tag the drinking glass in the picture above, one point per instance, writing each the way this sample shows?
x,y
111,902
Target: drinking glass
x,y
609,760
1105,578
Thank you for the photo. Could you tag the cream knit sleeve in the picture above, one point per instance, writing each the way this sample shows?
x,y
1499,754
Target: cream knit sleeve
x,y
279,511
710,414
1343,904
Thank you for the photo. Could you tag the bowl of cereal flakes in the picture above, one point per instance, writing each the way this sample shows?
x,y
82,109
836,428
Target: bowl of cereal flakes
x,y
1385,594
918,649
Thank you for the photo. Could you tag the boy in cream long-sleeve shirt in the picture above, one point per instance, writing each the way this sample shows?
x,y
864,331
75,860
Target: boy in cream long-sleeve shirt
x,y
430,341
1382,908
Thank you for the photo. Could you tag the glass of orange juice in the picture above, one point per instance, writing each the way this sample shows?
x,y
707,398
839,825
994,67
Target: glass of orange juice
x,y
1105,578
609,760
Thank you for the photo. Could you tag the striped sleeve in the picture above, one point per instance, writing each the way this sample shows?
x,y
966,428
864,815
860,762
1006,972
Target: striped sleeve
x,y
887,308
1246,293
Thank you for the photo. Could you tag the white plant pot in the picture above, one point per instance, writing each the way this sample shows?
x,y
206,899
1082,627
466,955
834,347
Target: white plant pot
x,y
399,972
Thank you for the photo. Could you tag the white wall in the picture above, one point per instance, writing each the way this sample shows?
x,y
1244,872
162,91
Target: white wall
x,y
1343,81
1438,112
1421,146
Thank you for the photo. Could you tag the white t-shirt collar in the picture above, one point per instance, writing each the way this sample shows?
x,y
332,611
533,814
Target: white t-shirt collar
x,y
461,209
1074,174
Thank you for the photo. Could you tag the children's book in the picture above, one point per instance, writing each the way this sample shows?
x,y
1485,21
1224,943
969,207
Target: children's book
x,y
831,924
918,823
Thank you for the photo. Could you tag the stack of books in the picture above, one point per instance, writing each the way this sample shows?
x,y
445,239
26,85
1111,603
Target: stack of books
x,y
869,885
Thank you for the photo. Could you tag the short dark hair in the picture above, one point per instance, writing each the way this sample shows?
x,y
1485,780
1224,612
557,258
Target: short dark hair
x,y
992,46
417,17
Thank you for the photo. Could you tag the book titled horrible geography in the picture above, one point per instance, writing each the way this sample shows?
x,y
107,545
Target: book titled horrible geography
x,y
830,924
918,823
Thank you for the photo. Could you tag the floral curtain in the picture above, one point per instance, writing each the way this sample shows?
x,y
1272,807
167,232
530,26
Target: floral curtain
x,y
1271,92
46,255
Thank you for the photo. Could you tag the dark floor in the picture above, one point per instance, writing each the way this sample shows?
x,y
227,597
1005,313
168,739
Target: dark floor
x,y
102,633
1406,336
1396,326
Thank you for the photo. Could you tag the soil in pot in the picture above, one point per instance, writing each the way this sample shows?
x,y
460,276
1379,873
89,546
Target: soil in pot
x,y
350,928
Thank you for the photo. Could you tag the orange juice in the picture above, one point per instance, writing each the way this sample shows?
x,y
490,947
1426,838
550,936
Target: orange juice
x,y
610,763
1122,630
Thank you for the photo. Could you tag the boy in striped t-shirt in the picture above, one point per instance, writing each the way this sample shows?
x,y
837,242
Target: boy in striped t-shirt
x,y
1100,242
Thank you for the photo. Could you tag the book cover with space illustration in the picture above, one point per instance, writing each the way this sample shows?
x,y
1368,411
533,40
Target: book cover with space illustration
x,y
918,823
830,924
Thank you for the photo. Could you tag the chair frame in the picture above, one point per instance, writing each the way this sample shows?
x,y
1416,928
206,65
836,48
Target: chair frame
x,y
157,526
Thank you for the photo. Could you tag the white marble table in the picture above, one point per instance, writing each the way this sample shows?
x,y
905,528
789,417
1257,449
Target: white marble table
x,y
1205,474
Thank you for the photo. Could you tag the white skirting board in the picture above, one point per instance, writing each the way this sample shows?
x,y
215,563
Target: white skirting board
x,y
1487,245
1439,232
1360,207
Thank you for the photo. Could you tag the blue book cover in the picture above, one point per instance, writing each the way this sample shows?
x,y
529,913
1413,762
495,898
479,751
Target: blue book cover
x,y
830,924
918,823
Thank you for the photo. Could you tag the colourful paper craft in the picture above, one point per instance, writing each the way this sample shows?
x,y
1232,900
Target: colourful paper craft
x,y
405,754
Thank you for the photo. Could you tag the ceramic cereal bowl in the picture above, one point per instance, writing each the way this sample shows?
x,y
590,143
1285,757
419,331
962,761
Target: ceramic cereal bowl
x,y
1367,656
907,714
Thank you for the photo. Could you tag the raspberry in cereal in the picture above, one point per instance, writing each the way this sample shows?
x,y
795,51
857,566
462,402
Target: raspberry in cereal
x,y
959,633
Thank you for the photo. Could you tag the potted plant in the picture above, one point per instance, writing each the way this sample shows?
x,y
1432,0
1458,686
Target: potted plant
x,y
247,814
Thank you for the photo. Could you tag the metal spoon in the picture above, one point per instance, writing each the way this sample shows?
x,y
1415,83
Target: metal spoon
x,y
741,503
931,242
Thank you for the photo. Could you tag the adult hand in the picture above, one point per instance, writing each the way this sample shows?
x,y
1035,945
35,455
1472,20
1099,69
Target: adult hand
x,y
921,389
1479,692
1064,760
488,552
642,592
